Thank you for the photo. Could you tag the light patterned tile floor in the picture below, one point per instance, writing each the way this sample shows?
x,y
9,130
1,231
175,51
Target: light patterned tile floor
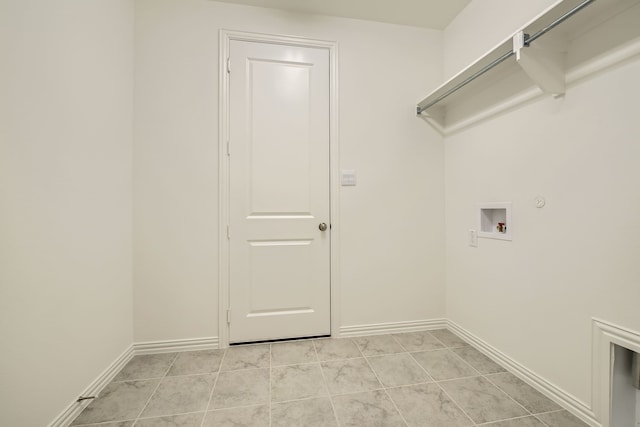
x,y
428,378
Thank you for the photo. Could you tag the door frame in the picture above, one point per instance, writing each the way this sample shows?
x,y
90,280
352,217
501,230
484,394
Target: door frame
x,y
223,171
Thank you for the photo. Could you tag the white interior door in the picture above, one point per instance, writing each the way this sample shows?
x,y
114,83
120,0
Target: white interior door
x,y
279,272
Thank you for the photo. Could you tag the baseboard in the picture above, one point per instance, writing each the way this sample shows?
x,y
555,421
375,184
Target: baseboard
x,y
168,346
392,327
67,416
553,392
73,410
564,399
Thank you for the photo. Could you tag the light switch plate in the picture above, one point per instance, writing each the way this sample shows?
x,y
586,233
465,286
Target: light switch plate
x,y
348,178
473,238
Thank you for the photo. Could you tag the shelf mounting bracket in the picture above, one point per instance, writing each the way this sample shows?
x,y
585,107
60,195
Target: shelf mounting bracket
x,y
542,62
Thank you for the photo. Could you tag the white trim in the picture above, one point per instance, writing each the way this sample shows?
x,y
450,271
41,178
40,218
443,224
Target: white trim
x,y
606,334
67,416
223,190
335,188
392,327
168,346
72,411
553,392
223,202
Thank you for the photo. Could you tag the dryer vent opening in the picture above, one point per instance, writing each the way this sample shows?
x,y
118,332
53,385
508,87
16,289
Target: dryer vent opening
x,y
625,387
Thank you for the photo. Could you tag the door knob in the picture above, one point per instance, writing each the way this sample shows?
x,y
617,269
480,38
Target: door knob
x,y
322,226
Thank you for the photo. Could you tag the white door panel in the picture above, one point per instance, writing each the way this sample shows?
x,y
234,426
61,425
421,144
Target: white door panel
x,y
280,183
279,191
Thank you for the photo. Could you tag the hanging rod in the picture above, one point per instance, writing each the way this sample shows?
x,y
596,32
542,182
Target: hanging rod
x,y
559,21
527,41
466,81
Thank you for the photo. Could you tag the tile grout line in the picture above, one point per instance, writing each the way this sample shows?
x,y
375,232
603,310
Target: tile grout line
x,y
480,374
169,376
450,349
393,387
443,346
215,382
446,347
445,392
162,416
486,376
507,394
156,389
399,343
542,422
378,379
536,416
456,379
170,415
457,404
387,394
433,380
304,363
326,384
548,412
138,379
302,399
253,405
244,369
489,423
102,423
439,340
439,383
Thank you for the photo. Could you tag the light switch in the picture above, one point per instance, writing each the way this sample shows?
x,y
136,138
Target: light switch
x,y
473,238
348,178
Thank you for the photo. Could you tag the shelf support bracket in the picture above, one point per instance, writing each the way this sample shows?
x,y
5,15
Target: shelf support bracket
x,y
435,116
543,64
436,113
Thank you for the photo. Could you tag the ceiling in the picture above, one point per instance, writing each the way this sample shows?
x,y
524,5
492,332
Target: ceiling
x,y
434,14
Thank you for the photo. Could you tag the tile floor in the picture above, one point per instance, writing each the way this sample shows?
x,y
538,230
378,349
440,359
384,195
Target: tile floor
x,y
412,379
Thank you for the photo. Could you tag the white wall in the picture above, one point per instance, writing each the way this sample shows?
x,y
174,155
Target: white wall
x,y
392,264
65,200
483,25
533,298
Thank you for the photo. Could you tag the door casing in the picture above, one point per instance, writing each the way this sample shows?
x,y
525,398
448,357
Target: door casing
x,y
223,169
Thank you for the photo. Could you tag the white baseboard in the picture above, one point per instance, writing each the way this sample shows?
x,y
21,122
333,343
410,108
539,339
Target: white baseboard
x,y
392,327
73,410
168,346
566,400
553,392
67,416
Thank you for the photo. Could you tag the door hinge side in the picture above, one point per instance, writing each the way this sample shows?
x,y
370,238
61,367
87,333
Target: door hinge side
x,y
228,148
228,65
228,232
229,316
